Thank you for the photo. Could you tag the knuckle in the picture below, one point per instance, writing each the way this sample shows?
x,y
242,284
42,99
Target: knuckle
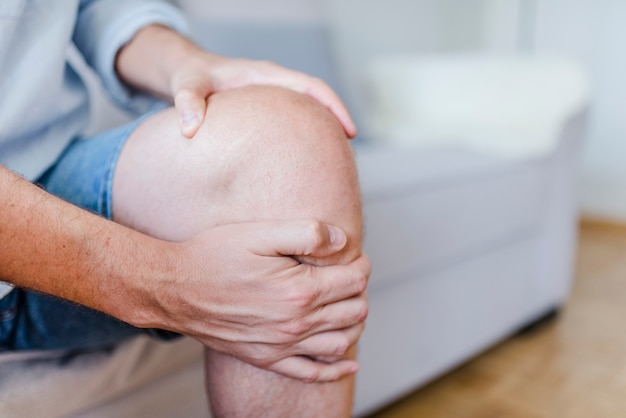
x,y
342,346
185,93
363,313
259,360
311,376
368,266
298,327
303,299
288,329
254,356
361,283
358,331
315,233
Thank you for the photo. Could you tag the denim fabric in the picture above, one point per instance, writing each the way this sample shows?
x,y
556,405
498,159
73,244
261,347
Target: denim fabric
x,y
32,321
44,46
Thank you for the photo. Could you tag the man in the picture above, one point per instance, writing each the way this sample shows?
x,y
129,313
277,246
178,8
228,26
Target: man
x,y
237,218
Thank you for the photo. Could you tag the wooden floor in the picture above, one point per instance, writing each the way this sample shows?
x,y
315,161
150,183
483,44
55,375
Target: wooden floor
x,y
571,367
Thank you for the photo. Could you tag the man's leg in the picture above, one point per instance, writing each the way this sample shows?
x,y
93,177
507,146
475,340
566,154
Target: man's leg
x,y
262,153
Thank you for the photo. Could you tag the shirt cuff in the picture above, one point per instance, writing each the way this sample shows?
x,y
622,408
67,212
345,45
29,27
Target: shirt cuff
x,y
5,289
114,33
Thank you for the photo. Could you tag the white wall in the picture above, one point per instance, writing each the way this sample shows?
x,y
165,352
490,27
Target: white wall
x,y
591,31
364,29
253,10
595,33
501,31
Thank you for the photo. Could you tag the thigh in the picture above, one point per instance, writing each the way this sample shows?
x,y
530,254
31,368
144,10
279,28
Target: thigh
x,y
30,320
34,321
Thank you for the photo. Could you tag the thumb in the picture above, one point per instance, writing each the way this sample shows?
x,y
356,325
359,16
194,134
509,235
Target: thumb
x,y
299,238
190,101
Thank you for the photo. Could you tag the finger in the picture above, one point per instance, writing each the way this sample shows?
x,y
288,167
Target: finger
x,y
321,92
329,346
191,106
310,371
338,282
190,91
297,238
339,315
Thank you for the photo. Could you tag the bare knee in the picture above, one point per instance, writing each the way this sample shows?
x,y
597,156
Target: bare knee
x,y
262,153
284,143
286,157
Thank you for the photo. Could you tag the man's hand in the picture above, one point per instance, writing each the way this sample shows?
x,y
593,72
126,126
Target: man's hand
x,y
202,74
165,63
240,292
233,287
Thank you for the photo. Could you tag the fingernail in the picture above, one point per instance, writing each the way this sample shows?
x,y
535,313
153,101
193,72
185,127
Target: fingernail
x,y
189,119
354,368
337,237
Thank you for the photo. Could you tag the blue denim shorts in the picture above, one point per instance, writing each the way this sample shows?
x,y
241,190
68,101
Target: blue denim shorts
x,y
33,321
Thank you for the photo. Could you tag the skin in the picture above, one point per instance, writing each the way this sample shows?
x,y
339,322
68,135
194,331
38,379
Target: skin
x,y
274,286
160,61
261,154
59,249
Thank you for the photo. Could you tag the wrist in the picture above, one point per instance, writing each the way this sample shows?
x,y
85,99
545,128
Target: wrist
x,y
150,284
149,61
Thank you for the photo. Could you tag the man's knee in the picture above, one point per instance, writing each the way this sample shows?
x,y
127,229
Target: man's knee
x,y
291,159
262,153
276,147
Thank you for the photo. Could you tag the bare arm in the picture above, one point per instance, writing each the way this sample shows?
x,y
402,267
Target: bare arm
x,y
53,247
200,287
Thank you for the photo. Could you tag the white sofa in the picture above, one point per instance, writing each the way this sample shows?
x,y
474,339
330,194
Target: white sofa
x,y
466,249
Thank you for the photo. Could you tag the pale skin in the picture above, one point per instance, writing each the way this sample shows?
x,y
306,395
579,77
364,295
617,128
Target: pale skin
x,y
261,154
160,61
189,265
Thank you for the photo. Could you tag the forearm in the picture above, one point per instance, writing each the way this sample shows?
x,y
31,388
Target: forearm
x,y
56,248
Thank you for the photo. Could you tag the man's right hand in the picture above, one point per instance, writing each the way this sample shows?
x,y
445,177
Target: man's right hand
x,y
240,290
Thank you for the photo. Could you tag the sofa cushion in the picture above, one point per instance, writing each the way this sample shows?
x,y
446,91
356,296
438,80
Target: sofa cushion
x,y
425,209
52,384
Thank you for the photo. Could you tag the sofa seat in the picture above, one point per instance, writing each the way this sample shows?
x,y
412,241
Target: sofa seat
x,y
453,238
140,378
426,208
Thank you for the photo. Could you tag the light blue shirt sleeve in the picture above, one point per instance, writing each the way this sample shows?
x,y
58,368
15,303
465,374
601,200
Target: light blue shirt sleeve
x,y
104,26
